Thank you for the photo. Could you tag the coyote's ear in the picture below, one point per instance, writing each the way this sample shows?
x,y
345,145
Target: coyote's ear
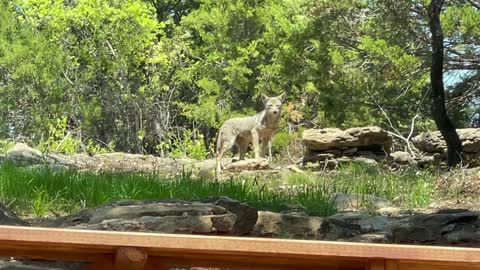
x,y
282,97
265,98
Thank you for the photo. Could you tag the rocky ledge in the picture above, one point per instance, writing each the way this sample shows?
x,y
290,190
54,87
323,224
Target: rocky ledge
x,y
225,216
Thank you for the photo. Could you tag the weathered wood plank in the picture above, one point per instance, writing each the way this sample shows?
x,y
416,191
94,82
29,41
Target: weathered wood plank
x,y
231,252
127,258
376,264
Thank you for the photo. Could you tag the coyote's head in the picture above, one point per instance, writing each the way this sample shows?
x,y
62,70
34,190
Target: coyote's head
x,y
273,105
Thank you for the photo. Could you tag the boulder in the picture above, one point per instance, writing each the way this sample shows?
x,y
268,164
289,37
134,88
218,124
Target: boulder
x,y
247,165
288,225
334,229
433,142
448,227
152,216
7,217
353,202
246,215
403,158
348,226
334,138
212,215
23,153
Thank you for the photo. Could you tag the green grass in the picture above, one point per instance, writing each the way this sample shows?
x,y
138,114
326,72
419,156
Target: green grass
x,y
43,191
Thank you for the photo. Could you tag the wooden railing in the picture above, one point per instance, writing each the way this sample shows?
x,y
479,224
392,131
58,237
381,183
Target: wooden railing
x,y
125,250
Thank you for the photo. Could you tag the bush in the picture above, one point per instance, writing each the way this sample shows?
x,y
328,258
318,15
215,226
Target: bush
x,y
191,145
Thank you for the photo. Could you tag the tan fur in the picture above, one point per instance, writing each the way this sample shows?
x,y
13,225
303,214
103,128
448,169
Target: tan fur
x,y
257,129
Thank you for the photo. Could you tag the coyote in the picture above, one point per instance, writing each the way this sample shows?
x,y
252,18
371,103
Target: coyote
x,y
258,130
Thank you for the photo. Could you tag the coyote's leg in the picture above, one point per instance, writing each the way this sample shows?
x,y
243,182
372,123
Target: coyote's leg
x,y
270,150
265,147
223,145
256,145
242,147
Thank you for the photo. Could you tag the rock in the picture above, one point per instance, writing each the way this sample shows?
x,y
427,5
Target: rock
x,y
9,218
375,155
295,169
350,151
211,215
453,227
22,153
433,142
286,225
390,211
152,216
348,226
204,224
345,160
403,158
368,238
365,222
59,160
348,202
333,138
317,156
246,216
335,229
426,160
247,165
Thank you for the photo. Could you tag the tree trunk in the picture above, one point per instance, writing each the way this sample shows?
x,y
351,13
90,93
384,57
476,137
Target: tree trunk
x,y
439,112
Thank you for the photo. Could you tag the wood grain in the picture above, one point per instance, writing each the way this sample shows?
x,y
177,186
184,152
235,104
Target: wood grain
x,y
128,258
376,264
258,253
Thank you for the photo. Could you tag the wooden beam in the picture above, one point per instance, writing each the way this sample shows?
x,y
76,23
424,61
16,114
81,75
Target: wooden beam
x,y
391,265
194,250
104,263
128,258
376,264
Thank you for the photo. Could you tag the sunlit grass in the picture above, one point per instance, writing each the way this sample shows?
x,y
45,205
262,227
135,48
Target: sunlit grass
x,y
43,191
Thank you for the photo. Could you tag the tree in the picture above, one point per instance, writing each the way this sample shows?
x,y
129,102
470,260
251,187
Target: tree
x,y
439,112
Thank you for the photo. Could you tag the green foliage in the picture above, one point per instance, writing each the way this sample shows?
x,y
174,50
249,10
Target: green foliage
x,y
281,141
62,141
408,188
58,141
135,72
192,145
5,145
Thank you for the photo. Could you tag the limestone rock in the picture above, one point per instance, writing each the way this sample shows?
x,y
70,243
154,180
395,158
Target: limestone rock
x,y
150,216
402,158
433,142
336,228
448,227
271,224
246,216
212,215
348,202
23,153
333,138
350,225
247,165
7,217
